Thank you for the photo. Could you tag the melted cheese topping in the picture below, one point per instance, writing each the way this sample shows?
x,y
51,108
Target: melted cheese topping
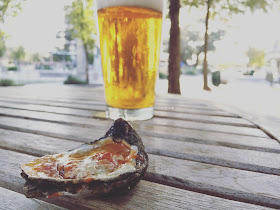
x,y
103,160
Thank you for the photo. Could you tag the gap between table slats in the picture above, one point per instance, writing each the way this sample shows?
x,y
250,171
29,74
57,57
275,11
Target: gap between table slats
x,y
239,122
233,184
241,159
13,200
67,131
27,113
146,195
102,107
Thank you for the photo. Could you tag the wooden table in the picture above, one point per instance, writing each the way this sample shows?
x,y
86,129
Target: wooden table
x,y
201,157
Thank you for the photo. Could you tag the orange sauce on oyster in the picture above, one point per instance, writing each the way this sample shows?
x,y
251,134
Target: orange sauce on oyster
x,y
111,153
113,148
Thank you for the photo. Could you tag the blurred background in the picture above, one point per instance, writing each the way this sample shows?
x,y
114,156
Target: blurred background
x,y
41,41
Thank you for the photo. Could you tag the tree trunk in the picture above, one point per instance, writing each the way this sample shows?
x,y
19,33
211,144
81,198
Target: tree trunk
x,y
174,49
197,58
205,65
86,53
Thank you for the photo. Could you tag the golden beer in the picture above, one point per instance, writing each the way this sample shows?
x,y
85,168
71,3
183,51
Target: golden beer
x,y
129,46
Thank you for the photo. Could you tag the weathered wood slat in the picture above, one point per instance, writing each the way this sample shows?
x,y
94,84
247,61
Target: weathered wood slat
x,y
198,150
171,199
182,101
155,121
230,157
207,127
51,109
87,133
192,110
146,195
58,103
54,117
178,97
270,124
90,94
158,103
87,99
206,119
215,180
99,101
71,100
52,129
243,159
165,114
13,200
98,94
187,134
232,183
33,144
95,94
180,106
102,107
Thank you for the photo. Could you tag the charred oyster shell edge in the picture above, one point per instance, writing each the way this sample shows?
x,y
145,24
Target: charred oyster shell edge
x,y
120,130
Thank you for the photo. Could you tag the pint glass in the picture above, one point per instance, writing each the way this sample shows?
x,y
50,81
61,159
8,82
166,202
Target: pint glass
x,y
130,39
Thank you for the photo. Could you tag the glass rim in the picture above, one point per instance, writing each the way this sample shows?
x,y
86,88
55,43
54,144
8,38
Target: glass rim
x,y
150,4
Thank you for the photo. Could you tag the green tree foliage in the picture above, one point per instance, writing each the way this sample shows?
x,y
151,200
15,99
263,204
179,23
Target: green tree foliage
x,y
9,8
2,44
80,16
36,57
18,54
69,36
192,43
256,57
216,7
2,49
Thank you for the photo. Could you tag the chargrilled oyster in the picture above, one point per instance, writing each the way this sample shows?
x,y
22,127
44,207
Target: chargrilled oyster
x,y
111,164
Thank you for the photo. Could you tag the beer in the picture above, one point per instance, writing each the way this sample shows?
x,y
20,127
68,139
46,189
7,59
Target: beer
x,y
129,46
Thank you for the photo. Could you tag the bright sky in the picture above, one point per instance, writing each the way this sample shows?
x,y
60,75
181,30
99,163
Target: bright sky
x,y
36,26
257,30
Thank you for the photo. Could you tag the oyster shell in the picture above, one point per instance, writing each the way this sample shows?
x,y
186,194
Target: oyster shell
x,y
111,164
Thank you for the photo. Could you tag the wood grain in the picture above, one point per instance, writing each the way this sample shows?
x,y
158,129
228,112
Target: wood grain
x,y
193,146
91,94
229,183
207,127
93,97
86,133
205,119
264,162
56,103
270,124
33,144
150,195
147,195
102,107
8,111
163,114
13,200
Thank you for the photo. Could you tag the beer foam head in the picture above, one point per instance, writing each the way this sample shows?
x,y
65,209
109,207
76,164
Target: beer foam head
x,y
151,4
